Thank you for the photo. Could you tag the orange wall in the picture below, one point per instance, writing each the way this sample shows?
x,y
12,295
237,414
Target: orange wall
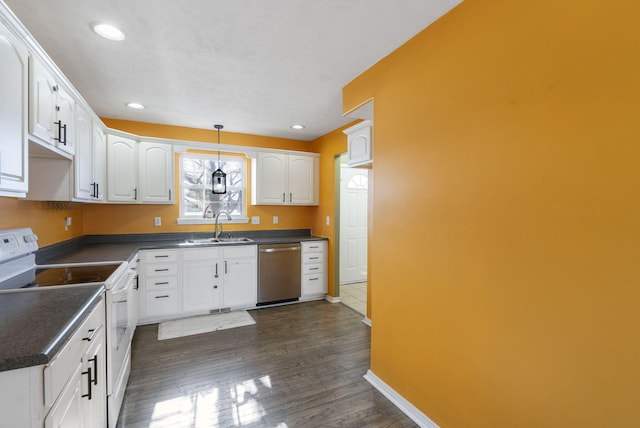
x,y
505,247
329,146
46,219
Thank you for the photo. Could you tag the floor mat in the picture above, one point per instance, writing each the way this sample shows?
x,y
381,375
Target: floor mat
x,y
203,324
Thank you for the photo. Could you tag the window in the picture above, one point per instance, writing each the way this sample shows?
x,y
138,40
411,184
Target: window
x,y
196,194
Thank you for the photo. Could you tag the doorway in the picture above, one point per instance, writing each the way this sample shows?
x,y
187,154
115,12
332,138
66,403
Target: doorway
x,y
354,185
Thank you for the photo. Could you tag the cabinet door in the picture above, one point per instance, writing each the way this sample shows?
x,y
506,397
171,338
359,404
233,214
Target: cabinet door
x,y
64,113
240,282
13,114
122,169
360,144
201,285
156,172
94,392
302,180
68,409
269,179
82,161
99,160
42,102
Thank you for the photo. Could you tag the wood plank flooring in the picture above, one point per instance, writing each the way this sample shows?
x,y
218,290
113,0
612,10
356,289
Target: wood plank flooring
x,y
299,366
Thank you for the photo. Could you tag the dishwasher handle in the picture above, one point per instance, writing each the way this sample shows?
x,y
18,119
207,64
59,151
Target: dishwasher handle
x,y
279,249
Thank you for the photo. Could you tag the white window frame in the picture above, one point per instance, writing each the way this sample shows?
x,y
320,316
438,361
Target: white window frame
x,y
192,219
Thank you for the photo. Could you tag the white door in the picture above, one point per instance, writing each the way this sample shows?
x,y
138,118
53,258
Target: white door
x,y
354,184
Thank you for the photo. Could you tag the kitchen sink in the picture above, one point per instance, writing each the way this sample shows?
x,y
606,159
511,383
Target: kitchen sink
x,y
202,241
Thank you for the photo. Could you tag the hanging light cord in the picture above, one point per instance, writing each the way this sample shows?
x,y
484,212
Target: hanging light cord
x,y
218,127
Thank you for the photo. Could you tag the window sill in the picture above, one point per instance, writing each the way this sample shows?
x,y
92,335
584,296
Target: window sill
x,y
236,220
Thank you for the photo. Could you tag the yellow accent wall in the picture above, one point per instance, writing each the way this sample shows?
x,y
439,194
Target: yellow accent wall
x,y
47,219
506,238
329,146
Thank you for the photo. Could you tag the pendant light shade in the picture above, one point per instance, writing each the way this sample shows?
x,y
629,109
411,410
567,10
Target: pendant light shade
x,y
219,178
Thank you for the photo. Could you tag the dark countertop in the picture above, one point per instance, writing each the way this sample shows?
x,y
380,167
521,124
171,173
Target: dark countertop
x,y
100,248
35,324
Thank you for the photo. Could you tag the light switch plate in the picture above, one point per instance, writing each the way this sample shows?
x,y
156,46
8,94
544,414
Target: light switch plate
x,y
275,219
157,221
328,221
255,219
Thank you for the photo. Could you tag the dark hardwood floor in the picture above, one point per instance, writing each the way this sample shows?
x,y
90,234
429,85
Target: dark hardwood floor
x,y
299,366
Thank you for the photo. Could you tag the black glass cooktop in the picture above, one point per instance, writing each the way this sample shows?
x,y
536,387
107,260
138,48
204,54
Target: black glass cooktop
x,y
72,274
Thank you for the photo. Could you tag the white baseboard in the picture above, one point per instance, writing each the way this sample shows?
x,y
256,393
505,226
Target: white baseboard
x,y
407,408
333,299
367,321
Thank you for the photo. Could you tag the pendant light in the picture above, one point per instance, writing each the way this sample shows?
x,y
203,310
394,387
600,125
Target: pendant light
x,y
219,178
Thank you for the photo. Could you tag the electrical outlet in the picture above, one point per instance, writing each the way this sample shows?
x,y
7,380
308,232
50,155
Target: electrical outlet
x,y
157,221
328,221
68,221
255,219
275,219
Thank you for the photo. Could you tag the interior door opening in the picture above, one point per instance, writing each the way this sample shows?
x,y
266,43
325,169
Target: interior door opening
x,y
353,224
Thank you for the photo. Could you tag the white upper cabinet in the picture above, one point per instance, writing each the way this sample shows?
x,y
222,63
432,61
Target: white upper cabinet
x,y
303,180
90,157
122,169
281,179
139,172
360,144
51,109
13,115
99,160
156,172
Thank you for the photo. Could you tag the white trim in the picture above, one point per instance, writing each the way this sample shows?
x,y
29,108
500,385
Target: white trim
x,y
332,299
367,321
400,402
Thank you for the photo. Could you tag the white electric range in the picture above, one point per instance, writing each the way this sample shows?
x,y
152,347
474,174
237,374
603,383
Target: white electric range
x,y
19,272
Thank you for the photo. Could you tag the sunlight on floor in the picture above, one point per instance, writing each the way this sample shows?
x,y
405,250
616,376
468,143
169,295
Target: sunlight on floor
x,y
203,409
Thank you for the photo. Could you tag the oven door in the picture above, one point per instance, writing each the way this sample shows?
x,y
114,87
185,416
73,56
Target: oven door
x,y
122,307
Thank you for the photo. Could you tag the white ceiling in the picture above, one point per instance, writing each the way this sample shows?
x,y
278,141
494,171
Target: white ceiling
x,y
255,66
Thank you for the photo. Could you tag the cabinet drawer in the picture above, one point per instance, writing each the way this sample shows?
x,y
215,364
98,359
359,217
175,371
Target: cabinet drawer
x,y
313,247
240,251
200,254
312,268
161,283
313,258
161,303
161,269
61,368
313,284
159,256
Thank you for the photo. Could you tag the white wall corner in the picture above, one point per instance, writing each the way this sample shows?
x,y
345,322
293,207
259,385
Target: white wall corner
x,y
406,407
332,299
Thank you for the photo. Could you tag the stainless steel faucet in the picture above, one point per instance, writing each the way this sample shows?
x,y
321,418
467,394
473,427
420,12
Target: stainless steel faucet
x,y
218,229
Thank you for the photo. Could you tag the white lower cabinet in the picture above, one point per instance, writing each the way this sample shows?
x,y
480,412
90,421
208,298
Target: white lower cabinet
x,y
159,285
240,276
314,270
75,379
201,280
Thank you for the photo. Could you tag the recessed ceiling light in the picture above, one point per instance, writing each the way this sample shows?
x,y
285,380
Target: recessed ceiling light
x,y
297,127
136,106
108,31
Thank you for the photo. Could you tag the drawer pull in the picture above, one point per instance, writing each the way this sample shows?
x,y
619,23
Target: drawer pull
x,y
161,270
314,258
162,283
313,246
164,296
162,256
314,268
313,279
93,332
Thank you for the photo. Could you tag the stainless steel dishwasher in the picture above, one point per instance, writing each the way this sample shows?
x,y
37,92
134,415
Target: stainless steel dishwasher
x,y
279,277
